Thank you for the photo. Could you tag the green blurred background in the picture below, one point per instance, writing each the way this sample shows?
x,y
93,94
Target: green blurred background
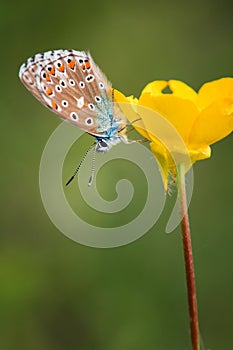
x,y
57,294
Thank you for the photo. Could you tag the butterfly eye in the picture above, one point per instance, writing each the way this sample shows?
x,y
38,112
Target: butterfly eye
x,y
97,98
101,85
102,146
64,103
82,84
63,83
91,106
71,82
74,116
89,121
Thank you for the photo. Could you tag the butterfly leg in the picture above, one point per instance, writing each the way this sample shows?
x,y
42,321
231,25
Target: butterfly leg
x,y
127,142
125,126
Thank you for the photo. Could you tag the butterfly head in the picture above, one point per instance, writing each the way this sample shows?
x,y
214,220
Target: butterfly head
x,y
104,144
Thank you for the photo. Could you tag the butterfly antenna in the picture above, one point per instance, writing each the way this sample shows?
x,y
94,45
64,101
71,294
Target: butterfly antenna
x,y
78,167
92,168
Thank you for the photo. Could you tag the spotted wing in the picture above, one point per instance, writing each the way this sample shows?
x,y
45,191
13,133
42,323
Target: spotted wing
x,y
72,85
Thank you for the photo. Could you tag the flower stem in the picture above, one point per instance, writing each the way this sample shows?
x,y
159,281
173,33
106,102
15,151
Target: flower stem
x,y
188,258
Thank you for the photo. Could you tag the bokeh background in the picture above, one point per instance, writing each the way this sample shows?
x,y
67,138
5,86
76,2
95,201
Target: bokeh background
x,y
57,294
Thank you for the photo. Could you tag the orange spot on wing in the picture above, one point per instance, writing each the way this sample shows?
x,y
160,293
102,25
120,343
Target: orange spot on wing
x,y
88,65
54,105
48,78
71,64
83,66
61,69
52,71
49,91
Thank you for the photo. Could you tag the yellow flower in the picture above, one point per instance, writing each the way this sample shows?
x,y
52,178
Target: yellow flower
x,y
200,118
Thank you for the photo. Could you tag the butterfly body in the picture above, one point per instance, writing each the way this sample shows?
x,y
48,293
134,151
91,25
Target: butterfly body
x,y
72,86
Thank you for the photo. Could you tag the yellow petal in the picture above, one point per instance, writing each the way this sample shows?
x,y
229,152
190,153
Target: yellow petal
x,y
162,157
179,112
182,90
155,88
182,124
118,96
128,105
132,99
166,162
215,90
200,153
213,123
178,88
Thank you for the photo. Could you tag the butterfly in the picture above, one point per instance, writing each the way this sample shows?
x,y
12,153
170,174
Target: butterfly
x,y
72,86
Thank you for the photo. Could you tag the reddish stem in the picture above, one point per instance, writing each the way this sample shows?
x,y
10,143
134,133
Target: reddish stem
x,y
188,258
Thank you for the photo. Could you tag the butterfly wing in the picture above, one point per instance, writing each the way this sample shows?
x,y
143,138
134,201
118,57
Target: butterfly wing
x,y
73,86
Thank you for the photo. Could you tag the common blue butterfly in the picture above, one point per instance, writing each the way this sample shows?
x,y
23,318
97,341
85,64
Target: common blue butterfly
x,y
73,87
